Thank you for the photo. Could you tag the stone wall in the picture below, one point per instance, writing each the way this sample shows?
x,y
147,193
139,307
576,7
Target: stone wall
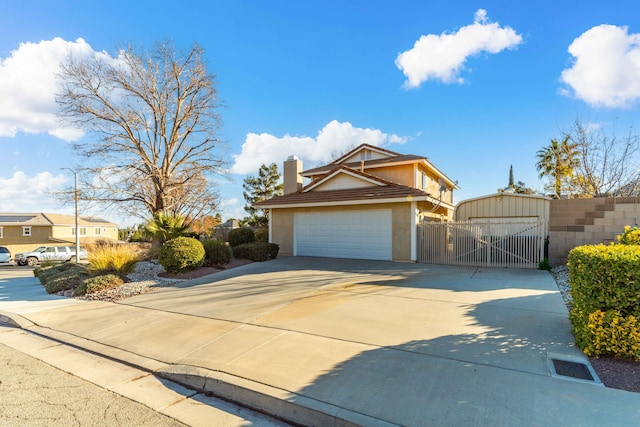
x,y
576,222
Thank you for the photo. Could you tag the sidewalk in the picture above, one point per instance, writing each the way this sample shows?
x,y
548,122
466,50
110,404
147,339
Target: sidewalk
x,y
344,342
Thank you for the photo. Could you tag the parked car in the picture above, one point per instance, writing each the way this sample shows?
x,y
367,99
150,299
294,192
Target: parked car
x,y
5,255
49,253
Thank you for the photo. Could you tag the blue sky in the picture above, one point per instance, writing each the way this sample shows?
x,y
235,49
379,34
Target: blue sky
x,y
476,86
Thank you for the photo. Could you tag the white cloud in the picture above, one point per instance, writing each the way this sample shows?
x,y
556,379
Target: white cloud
x,y
28,86
230,208
23,193
442,57
606,67
332,140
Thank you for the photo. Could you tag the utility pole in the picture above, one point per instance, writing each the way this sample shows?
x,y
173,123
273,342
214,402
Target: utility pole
x,y
75,196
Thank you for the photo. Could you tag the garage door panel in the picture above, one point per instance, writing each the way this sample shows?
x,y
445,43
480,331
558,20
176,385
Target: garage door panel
x,y
349,234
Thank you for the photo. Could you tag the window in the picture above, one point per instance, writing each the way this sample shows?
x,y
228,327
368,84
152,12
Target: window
x,y
26,231
83,231
73,231
1,232
97,231
424,181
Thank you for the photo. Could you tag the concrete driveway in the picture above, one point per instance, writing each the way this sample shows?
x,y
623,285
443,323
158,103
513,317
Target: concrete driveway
x,y
361,342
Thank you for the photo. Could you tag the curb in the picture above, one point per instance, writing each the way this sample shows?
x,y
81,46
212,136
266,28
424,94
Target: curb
x,y
277,403
15,320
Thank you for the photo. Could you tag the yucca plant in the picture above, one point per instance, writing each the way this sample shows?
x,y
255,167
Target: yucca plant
x,y
166,226
115,258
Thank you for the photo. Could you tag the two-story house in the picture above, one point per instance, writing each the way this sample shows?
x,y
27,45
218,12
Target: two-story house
x,y
366,204
22,232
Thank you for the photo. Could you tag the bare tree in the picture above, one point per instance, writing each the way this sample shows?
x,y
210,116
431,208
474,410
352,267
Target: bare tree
x,y
608,165
154,118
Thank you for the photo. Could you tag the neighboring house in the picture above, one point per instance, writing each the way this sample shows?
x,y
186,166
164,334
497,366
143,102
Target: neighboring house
x,y
365,204
22,232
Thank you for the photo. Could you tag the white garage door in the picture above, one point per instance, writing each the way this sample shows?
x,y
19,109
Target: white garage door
x,y
348,234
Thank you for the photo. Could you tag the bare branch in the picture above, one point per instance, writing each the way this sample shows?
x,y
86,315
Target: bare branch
x,y
154,119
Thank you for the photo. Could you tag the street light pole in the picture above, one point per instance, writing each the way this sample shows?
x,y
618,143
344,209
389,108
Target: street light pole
x,y
75,196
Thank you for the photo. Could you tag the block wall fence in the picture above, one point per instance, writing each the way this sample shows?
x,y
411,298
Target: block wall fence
x,y
577,222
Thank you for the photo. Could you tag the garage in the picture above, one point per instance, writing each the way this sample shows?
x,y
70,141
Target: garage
x,y
361,234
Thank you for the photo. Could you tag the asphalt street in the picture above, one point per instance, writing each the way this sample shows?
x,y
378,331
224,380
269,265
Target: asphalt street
x,y
37,394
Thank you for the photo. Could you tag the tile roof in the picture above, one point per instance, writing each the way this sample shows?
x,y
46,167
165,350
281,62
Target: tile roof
x,y
388,190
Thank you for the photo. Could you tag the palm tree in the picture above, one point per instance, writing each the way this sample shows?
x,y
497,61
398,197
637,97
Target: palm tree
x,y
165,226
557,161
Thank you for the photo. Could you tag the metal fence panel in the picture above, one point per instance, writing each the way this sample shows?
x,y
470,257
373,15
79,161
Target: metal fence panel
x,y
492,243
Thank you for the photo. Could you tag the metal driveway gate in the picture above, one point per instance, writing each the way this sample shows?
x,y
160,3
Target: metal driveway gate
x,y
497,242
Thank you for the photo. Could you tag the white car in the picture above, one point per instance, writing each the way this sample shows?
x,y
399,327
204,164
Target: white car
x,y
49,253
5,255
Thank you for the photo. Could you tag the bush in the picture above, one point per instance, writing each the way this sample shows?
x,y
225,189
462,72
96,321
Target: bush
x,y
631,236
605,288
62,277
258,251
608,333
262,235
181,254
98,283
216,253
112,258
242,235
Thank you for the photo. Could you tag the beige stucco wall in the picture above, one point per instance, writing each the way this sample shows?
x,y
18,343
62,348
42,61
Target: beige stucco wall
x,y
16,242
403,174
503,205
65,232
282,224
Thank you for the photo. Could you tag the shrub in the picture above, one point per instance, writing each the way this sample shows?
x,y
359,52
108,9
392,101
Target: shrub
x,y
605,277
98,283
242,235
181,254
274,249
605,288
62,277
544,264
630,236
262,235
258,251
216,252
112,258
608,333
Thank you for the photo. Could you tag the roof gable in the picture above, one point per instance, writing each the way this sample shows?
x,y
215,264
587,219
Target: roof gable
x,y
365,152
342,178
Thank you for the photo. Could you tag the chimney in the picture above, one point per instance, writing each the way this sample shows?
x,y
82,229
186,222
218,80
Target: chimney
x,y
292,180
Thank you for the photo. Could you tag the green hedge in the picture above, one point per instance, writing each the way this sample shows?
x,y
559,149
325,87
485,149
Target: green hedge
x,y
216,252
605,288
181,254
256,251
242,235
262,235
